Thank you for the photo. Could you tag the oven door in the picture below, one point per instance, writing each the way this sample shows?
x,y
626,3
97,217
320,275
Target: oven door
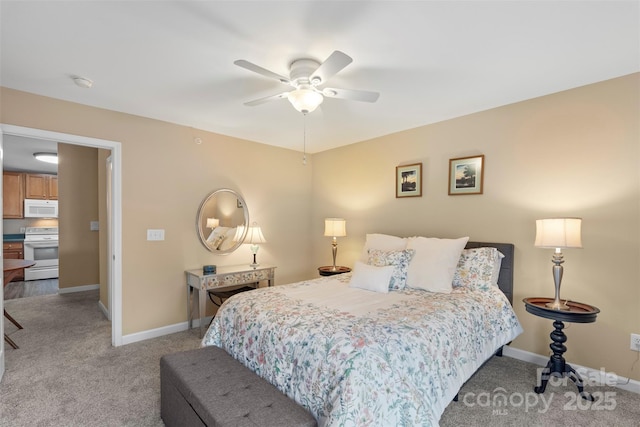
x,y
45,254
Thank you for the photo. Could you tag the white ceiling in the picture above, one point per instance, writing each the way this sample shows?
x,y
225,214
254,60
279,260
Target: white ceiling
x,y
18,154
430,60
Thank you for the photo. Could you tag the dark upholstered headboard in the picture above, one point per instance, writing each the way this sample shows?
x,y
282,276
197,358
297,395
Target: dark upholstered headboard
x,y
505,280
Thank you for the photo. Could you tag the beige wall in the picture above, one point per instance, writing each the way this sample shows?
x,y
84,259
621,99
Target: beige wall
x,y
165,176
574,153
78,206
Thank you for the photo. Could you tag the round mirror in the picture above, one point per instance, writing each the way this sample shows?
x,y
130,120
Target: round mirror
x,y
222,221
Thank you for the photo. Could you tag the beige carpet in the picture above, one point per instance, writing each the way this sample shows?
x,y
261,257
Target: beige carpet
x,y
67,374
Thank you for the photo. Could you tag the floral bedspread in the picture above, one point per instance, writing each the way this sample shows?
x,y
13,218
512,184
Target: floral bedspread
x,y
398,363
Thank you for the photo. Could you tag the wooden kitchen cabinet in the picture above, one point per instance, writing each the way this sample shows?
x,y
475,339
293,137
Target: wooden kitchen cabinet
x,y
13,194
14,250
41,186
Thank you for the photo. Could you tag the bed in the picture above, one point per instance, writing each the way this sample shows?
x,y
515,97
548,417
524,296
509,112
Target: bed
x,y
355,357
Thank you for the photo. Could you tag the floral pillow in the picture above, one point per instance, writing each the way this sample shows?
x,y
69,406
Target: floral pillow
x,y
383,242
400,261
478,268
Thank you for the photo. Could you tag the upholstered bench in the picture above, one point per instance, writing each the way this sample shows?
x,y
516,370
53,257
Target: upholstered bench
x,y
207,387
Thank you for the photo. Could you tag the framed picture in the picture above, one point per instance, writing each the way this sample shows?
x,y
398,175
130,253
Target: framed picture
x,y
409,180
466,175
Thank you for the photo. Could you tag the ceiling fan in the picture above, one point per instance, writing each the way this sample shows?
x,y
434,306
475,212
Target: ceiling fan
x,y
306,76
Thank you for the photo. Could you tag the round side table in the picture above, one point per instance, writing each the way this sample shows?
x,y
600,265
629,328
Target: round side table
x,y
557,366
328,270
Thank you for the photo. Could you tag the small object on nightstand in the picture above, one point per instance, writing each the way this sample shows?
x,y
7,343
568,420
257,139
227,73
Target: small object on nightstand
x,y
335,227
576,312
558,233
328,270
209,269
255,236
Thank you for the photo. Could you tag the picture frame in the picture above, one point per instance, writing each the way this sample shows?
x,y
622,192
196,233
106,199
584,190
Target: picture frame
x,y
409,180
466,175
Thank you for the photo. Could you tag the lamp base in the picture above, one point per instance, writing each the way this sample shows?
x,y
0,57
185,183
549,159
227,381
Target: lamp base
x,y
255,263
558,305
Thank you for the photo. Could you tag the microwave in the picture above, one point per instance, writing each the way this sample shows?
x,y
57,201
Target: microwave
x,y
34,208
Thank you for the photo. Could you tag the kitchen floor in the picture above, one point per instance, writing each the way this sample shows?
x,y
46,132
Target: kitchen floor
x,y
30,288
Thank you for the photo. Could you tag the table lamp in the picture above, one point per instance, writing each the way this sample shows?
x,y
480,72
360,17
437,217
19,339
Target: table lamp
x,y
254,237
558,233
212,223
335,227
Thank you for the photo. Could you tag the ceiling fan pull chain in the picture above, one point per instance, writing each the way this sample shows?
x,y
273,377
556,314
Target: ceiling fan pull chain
x,y
304,140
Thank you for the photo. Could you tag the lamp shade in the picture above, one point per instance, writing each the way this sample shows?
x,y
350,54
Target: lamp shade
x,y
558,233
254,235
335,227
213,222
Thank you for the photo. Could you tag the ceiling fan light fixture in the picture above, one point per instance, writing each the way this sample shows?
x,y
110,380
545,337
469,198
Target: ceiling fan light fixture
x,y
47,157
305,100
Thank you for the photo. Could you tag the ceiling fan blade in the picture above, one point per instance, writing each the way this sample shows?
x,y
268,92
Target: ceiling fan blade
x,y
266,99
334,63
258,69
353,95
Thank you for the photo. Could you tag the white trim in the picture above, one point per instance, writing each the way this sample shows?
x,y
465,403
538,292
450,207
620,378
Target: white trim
x,y
78,289
537,359
162,331
104,310
116,229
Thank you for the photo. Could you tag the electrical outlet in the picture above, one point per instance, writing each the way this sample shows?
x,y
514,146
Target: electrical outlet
x,y
635,342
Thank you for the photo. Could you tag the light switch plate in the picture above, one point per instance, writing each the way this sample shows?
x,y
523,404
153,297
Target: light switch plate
x,y
94,226
155,234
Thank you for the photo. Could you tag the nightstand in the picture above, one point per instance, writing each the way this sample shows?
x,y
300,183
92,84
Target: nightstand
x,y
328,270
557,366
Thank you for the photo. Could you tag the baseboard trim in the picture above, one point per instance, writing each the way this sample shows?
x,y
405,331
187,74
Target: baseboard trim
x,y
78,289
593,374
104,310
159,332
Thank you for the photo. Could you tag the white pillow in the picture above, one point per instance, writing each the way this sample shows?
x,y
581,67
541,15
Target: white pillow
x,y
434,263
217,232
383,242
398,259
495,273
371,278
227,241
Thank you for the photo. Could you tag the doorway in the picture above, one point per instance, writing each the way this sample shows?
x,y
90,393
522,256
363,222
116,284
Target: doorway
x,y
114,219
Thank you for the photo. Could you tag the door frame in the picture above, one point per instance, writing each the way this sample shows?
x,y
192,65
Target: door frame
x,y
115,228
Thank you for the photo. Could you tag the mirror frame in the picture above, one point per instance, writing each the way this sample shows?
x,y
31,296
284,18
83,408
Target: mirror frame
x,y
199,219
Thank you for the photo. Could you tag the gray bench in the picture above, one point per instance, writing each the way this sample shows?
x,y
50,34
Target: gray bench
x,y
207,387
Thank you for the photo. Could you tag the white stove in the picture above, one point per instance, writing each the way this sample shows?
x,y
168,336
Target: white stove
x,y
41,246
